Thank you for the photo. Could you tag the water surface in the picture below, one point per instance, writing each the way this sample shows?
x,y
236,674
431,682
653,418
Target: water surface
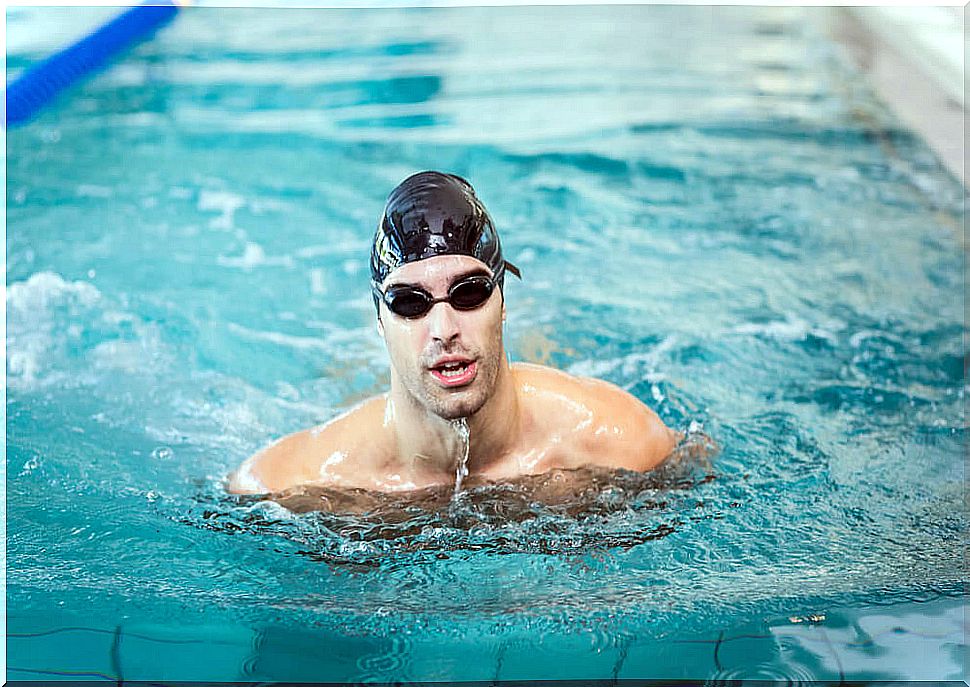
x,y
710,210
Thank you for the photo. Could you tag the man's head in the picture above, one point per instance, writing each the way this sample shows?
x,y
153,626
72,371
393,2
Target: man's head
x,y
437,275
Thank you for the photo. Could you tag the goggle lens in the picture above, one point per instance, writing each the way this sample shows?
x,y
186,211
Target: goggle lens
x,y
470,293
467,294
407,302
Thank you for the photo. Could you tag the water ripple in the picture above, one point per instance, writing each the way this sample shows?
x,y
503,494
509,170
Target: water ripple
x,y
560,512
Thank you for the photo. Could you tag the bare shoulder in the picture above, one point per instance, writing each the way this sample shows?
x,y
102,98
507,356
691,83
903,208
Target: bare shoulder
x,y
319,455
605,425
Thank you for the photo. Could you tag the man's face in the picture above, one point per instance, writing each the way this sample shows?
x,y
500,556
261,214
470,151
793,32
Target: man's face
x,y
447,360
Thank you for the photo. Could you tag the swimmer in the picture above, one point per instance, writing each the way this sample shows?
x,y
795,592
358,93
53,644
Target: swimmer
x,y
456,407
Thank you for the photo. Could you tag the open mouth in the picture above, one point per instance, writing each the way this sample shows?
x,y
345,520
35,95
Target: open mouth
x,y
455,373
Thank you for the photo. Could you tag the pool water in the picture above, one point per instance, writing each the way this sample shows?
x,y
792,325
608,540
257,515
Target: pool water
x,y
710,210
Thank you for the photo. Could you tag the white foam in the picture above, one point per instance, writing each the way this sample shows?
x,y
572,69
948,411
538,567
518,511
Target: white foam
x,y
346,247
129,356
31,331
793,328
94,191
44,288
298,342
629,365
318,285
594,368
856,339
254,256
224,202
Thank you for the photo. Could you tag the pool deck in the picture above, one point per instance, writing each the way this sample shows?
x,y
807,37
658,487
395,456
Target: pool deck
x,y
914,58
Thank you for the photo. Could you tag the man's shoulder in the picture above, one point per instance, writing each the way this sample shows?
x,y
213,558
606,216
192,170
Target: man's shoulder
x,y
534,377
608,425
594,394
321,454
356,422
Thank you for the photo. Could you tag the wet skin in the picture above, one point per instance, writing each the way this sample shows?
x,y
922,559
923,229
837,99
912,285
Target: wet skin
x,y
523,419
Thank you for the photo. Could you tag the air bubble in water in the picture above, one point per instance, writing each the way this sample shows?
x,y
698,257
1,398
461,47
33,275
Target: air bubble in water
x,y
161,453
30,465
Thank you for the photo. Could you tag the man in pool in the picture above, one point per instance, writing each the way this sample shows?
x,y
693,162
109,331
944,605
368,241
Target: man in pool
x,y
437,275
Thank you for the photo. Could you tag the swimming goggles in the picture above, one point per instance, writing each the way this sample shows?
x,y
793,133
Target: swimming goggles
x,y
411,302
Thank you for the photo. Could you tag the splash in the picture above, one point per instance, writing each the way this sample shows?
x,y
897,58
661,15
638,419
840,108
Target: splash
x,y
461,428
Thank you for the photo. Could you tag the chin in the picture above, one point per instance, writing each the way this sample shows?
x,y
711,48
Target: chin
x,y
460,405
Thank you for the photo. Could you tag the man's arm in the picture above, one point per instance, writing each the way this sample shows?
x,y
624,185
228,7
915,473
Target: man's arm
x,y
655,440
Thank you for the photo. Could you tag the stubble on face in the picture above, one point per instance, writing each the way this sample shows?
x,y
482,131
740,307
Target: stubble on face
x,y
451,404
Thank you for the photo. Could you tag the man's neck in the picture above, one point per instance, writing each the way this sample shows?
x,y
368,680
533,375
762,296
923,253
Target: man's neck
x,y
428,444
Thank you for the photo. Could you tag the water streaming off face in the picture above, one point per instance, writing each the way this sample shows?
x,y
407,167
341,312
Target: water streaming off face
x,y
461,429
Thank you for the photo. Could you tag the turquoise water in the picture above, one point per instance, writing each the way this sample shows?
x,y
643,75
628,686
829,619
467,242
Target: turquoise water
x,y
744,238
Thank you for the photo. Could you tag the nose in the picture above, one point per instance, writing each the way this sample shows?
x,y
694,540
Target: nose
x,y
443,323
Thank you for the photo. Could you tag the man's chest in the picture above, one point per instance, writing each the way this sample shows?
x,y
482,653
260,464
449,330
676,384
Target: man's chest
x,y
535,457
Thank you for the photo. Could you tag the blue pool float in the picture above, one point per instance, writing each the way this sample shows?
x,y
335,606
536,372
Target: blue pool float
x,y
40,84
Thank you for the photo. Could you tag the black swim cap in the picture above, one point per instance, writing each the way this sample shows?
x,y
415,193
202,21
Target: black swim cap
x,y
429,214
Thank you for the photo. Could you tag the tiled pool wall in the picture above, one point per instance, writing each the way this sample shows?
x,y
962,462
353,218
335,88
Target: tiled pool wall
x,y
921,640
